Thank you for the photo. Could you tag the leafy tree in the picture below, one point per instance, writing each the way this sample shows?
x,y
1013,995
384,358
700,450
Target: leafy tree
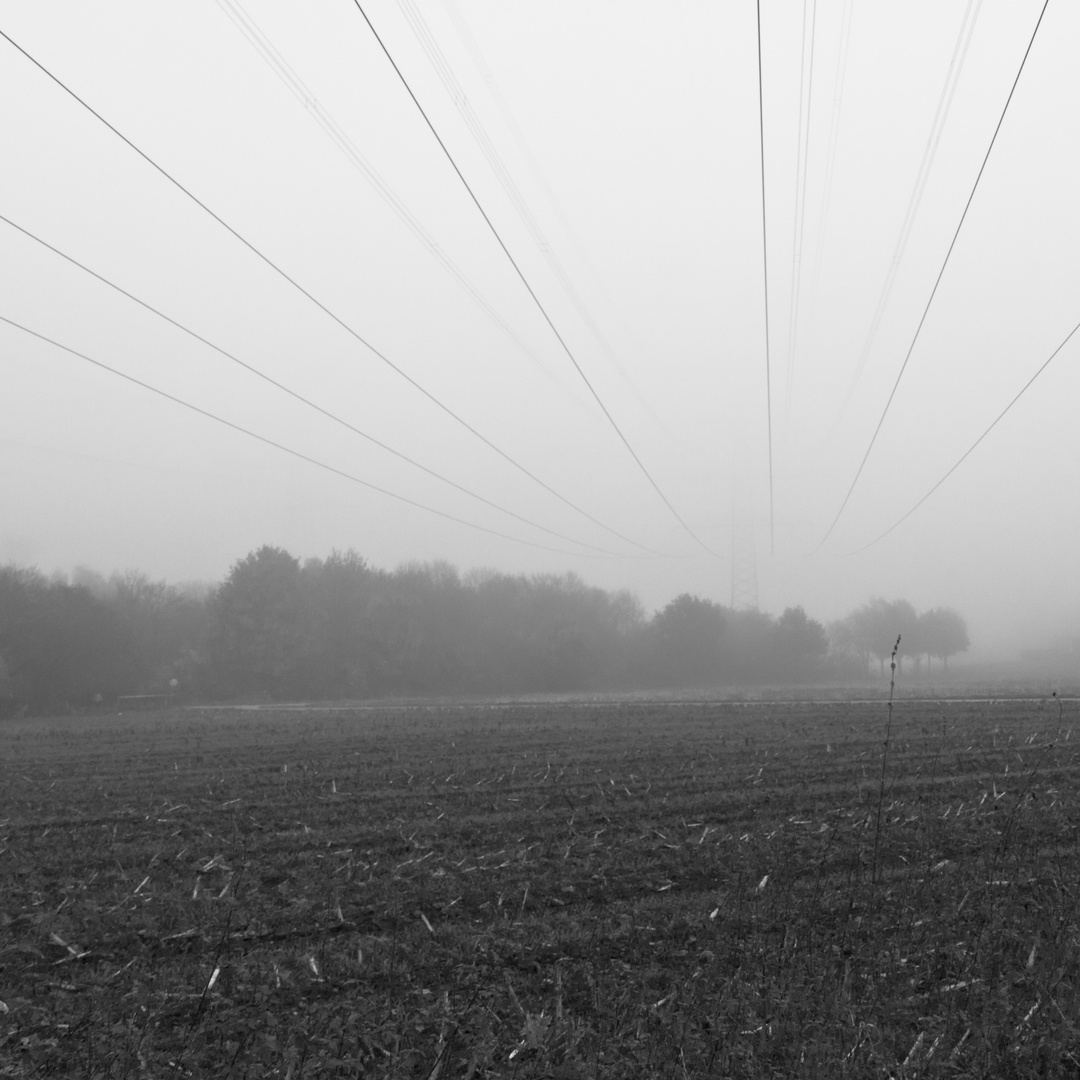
x,y
7,692
748,652
496,646
892,619
623,628
848,645
872,630
799,645
61,645
103,588
943,634
337,592
20,592
165,625
259,630
414,618
336,627
687,636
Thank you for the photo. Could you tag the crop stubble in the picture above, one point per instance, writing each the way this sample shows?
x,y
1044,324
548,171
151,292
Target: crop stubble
x,y
557,890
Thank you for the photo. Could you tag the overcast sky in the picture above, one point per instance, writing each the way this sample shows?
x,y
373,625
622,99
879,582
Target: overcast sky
x,y
615,149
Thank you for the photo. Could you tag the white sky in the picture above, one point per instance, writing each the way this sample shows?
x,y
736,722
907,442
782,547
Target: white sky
x,y
643,122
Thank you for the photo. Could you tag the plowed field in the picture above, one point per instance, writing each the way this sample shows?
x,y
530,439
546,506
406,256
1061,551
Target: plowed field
x,y
543,890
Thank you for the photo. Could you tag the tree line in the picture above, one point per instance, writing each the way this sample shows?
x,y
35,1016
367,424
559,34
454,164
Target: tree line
x,y
280,628
872,631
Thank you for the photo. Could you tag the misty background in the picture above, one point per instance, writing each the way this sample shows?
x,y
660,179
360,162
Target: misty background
x,y
336,628
617,154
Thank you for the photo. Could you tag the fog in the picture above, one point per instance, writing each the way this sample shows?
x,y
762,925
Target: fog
x,y
633,209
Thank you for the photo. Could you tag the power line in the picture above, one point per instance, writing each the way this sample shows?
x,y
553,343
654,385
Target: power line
x,y
937,128
801,164
765,268
937,282
415,18
528,287
971,448
285,449
839,81
322,307
251,369
337,135
526,152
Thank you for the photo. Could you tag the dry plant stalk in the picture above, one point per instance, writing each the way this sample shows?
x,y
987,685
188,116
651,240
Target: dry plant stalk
x,y
884,761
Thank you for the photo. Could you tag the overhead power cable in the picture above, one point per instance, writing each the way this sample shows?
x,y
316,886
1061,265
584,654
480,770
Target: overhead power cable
x,y
280,446
536,300
801,165
337,135
937,282
948,91
967,453
252,370
437,58
765,270
322,307
477,57
839,81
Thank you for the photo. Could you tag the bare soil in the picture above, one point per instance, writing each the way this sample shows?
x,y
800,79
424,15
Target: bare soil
x,y
621,889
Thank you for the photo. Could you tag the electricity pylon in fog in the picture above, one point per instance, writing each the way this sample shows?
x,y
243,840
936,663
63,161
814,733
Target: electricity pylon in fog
x,y
744,585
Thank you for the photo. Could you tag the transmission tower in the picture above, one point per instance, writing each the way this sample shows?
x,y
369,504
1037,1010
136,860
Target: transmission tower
x,y
744,593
